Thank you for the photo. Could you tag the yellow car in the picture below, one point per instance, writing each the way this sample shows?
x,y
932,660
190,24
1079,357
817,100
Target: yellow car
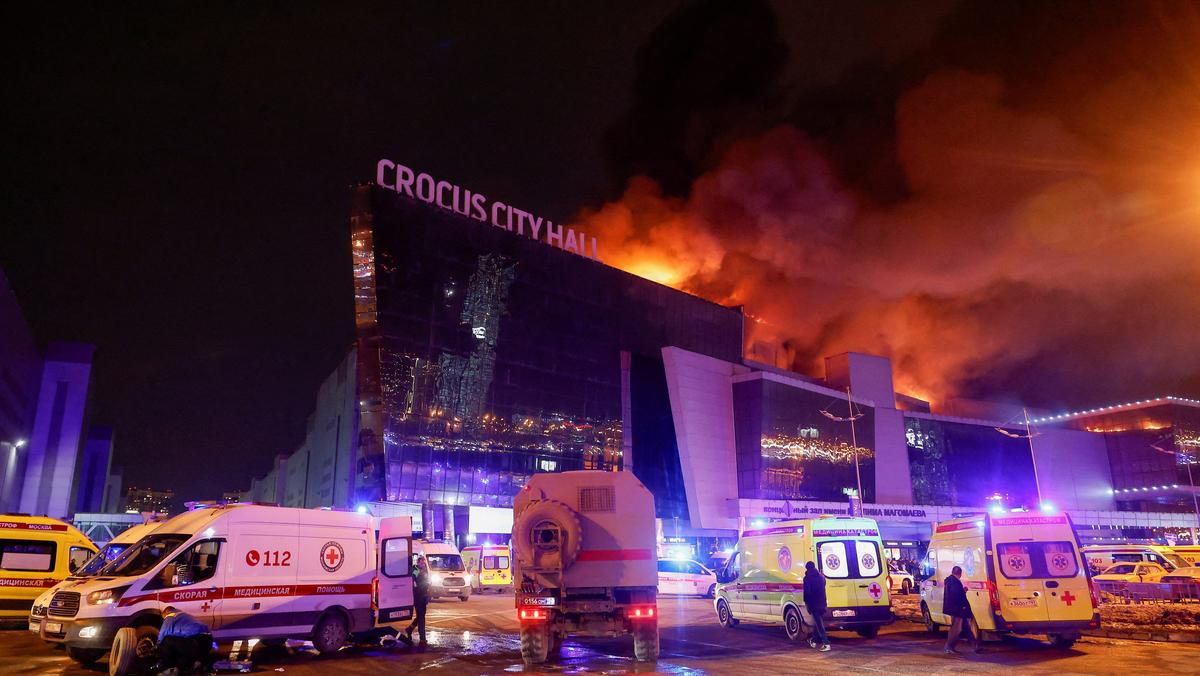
x,y
1132,572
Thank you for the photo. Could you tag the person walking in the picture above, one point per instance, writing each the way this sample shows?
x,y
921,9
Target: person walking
x,y
184,643
420,601
958,608
815,603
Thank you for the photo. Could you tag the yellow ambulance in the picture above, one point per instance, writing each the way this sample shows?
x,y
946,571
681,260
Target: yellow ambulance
x,y
763,580
36,553
490,567
1023,574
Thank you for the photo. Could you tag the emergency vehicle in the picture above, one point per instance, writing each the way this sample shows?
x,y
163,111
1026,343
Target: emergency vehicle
x,y
764,579
490,567
681,576
1023,574
36,553
584,547
1189,553
1100,557
448,574
247,572
102,558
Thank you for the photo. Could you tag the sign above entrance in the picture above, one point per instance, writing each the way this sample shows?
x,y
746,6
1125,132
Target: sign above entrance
x,y
448,196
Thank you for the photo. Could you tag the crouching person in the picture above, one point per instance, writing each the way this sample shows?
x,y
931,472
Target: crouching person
x,y
184,643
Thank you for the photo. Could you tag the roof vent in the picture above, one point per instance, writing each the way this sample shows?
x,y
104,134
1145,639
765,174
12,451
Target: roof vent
x,y
597,499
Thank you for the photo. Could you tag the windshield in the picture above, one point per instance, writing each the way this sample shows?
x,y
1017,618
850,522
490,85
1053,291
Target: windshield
x,y
1120,569
101,559
444,561
145,555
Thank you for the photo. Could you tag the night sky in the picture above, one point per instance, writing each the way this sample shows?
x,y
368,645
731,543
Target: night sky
x,y
177,175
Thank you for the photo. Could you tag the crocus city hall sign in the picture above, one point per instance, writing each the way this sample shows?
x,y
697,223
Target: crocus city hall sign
x,y
451,197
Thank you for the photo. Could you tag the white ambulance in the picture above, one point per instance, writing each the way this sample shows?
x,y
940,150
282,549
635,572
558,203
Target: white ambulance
x,y
448,574
246,571
1023,574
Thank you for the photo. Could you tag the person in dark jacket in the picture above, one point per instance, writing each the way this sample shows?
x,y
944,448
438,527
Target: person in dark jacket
x,y
958,608
420,601
815,603
183,642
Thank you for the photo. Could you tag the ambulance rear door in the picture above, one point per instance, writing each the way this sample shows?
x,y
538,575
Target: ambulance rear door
x,y
1021,557
394,599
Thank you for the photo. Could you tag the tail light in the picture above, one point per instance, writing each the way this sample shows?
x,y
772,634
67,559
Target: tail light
x,y
993,595
641,612
1095,594
374,593
533,614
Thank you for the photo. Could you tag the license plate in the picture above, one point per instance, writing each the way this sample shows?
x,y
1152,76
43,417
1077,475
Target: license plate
x,y
843,613
1023,603
538,601
54,627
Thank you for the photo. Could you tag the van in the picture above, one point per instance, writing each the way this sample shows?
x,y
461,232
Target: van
x,y
763,581
1189,553
686,577
1023,574
102,558
448,575
1100,557
247,572
490,567
36,553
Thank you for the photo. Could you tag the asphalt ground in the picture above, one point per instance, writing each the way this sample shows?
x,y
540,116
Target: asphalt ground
x,y
480,637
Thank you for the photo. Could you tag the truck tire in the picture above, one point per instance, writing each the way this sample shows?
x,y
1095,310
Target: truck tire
x,y
132,649
540,512
84,656
930,626
535,643
645,641
329,635
556,642
868,632
793,624
1063,641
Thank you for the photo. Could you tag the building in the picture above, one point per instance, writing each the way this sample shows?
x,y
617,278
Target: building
x,y
94,470
148,501
20,377
493,345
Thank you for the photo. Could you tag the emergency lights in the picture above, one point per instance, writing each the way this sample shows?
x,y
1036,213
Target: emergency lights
x,y
1047,507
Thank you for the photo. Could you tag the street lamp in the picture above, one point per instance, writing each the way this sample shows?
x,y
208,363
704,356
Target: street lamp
x,y
1030,434
851,417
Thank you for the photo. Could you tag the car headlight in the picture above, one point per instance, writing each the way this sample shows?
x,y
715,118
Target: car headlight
x,y
105,596
467,577
89,632
436,578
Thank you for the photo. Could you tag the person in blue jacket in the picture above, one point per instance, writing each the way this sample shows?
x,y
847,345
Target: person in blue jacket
x,y
183,641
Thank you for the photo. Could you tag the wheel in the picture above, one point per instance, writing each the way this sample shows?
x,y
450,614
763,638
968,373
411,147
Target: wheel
x,y
463,598
930,626
868,632
1063,641
84,656
132,649
645,640
535,643
329,636
556,642
712,591
906,587
724,616
793,625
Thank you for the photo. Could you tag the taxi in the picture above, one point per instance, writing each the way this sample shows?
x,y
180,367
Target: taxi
x,y
1132,572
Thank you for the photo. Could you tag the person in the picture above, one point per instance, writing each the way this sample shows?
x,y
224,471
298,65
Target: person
x,y
420,601
183,642
956,606
815,603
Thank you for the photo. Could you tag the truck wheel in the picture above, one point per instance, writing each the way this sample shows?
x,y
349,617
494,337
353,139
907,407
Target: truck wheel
x,y
84,656
792,624
556,642
645,641
132,649
724,616
535,643
930,626
1063,641
330,633
868,632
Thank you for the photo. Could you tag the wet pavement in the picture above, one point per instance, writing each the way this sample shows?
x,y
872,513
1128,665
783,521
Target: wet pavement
x,y
479,637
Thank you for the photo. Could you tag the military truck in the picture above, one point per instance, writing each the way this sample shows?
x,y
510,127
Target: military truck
x,y
583,545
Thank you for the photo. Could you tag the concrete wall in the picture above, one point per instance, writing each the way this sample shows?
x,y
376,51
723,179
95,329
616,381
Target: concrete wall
x,y
331,437
58,428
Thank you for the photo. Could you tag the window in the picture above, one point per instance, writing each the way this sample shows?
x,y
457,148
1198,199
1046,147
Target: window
x,y
27,555
1145,570
848,558
868,558
693,568
451,562
831,557
489,563
77,557
395,557
1019,560
1120,569
144,556
495,562
194,564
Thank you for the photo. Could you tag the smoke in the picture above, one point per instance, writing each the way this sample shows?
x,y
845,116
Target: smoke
x,y
1041,246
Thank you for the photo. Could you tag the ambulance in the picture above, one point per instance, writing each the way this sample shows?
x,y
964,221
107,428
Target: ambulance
x,y
36,553
1100,557
102,558
248,572
448,575
763,581
490,567
1189,553
1023,574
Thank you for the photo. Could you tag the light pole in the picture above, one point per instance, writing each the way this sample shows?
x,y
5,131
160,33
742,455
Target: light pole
x,y
1029,434
1191,484
851,417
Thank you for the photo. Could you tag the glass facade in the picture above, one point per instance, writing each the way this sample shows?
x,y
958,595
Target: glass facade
x,y
787,449
960,464
485,357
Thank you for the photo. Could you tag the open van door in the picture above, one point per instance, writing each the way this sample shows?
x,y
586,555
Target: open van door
x,y
394,591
